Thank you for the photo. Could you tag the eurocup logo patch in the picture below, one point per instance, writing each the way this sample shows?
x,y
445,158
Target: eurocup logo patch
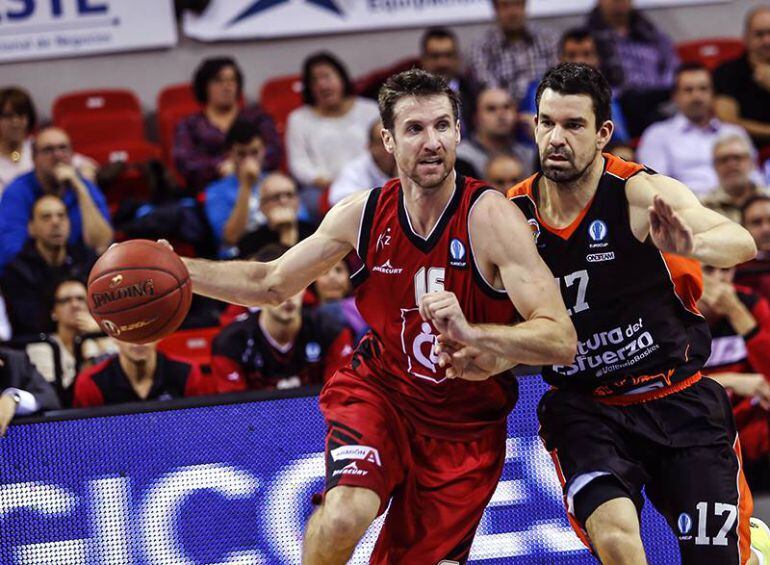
x,y
535,228
684,523
312,352
457,254
598,230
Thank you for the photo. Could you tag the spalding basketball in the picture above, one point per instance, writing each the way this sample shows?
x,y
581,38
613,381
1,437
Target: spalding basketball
x,y
139,291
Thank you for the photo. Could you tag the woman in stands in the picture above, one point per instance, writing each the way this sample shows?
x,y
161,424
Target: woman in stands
x,y
199,143
330,130
333,290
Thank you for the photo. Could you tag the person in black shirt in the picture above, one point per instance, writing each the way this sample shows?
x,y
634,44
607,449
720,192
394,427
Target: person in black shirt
x,y
23,390
30,279
743,84
138,373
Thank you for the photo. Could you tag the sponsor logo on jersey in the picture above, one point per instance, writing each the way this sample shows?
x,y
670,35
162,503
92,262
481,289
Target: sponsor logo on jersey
x,y
351,469
387,269
313,352
684,524
383,240
457,254
361,452
535,228
598,231
600,257
144,288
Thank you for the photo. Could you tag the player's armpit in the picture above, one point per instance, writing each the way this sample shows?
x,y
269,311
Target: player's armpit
x,y
505,251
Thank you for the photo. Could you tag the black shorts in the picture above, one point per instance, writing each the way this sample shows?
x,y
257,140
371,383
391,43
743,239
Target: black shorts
x,y
683,449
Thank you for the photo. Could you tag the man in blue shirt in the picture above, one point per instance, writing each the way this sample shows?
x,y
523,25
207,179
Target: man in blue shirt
x,y
576,46
53,174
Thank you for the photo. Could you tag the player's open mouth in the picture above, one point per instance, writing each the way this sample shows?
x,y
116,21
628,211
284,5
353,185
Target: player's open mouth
x,y
431,161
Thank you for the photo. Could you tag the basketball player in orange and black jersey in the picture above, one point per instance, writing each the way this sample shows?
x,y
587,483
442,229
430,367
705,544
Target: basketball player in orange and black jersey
x,y
400,429
631,409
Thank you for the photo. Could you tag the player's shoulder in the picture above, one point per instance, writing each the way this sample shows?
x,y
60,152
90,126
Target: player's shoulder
x,y
524,188
622,169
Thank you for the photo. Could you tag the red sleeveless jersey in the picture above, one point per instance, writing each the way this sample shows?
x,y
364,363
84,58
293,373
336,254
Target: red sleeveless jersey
x,y
398,267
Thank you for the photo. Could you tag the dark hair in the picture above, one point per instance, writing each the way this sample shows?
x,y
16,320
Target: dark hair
x,y
242,132
579,78
53,290
323,58
576,34
21,103
750,202
689,67
269,252
40,199
436,33
414,82
208,70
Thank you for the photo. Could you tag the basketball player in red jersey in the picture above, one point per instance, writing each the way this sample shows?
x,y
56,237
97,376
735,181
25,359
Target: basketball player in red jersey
x,y
630,410
398,429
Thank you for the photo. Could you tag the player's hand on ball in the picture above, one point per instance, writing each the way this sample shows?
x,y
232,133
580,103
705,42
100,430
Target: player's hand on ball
x,y
668,231
165,243
443,310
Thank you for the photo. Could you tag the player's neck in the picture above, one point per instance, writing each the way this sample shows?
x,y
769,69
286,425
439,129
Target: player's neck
x,y
139,373
282,333
560,203
424,206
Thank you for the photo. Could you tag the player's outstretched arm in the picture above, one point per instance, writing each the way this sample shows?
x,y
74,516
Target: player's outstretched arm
x,y
502,243
671,215
250,283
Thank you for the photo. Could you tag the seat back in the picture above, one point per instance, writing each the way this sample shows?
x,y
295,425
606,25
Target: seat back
x,y
279,96
193,345
710,52
94,103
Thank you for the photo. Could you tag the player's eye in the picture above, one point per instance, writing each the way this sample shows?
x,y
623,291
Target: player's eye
x,y
442,126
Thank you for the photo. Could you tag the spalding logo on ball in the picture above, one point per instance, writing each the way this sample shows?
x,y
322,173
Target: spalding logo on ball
x,y
139,291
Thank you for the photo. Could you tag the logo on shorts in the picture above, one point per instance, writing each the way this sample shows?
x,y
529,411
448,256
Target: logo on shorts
x,y
362,452
684,523
351,469
457,254
598,230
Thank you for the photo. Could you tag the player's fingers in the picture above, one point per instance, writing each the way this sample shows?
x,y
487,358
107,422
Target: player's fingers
x,y
444,359
655,221
166,243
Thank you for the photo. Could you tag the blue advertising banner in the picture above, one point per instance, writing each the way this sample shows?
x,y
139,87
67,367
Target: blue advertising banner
x,y
232,484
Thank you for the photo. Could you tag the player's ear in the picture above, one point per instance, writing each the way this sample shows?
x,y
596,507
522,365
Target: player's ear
x,y
388,141
458,133
605,134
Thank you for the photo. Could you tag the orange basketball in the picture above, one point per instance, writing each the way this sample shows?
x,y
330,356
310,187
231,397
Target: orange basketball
x,y
139,291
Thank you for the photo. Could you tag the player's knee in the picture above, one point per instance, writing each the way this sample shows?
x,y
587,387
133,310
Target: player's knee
x,y
347,513
616,539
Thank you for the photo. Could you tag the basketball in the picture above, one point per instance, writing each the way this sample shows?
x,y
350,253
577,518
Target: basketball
x,y
139,291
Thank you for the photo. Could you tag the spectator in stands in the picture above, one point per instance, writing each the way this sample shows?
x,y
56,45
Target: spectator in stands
x,y
279,204
369,170
733,161
682,146
53,174
279,346
495,124
739,320
577,45
503,171
23,390
17,122
755,217
139,372
440,54
45,259
199,144
513,54
743,84
333,290
330,130
637,58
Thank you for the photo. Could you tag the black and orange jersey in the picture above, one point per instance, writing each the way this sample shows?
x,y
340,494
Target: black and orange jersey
x,y
640,334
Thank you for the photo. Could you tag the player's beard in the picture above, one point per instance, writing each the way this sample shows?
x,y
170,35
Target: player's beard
x,y
563,175
432,182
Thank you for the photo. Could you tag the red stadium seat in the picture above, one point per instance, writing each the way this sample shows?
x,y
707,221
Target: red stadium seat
x,y
132,181
103,129
95,102
710,52
193,345
279,96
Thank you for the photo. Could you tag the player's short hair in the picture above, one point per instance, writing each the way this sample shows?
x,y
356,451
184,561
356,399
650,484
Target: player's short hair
x,y
323,58
576,34
21,103
208,70
436,33
579,78
242,132
414,82
750,202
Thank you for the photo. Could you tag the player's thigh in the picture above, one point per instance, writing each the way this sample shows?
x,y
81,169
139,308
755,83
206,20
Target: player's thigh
x,y
433,518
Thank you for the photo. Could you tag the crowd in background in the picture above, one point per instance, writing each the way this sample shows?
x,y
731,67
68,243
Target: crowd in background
x,y
238,186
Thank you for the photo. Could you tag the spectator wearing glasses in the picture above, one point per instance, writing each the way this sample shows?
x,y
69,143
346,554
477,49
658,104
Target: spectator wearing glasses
x,y
733,160
45,259
17,122
23,390
755,217
53,173
199,150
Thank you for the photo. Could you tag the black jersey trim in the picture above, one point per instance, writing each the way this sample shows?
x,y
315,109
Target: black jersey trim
x,y
482,283
364,235
427,245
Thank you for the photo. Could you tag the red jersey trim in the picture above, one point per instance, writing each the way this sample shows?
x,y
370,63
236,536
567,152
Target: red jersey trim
x,y
628,400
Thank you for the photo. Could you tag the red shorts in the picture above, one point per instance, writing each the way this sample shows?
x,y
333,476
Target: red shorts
x,y
439,488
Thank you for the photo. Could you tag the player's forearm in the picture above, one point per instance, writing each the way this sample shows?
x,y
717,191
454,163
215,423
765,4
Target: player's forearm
x,y
540,341
247,283
724,246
